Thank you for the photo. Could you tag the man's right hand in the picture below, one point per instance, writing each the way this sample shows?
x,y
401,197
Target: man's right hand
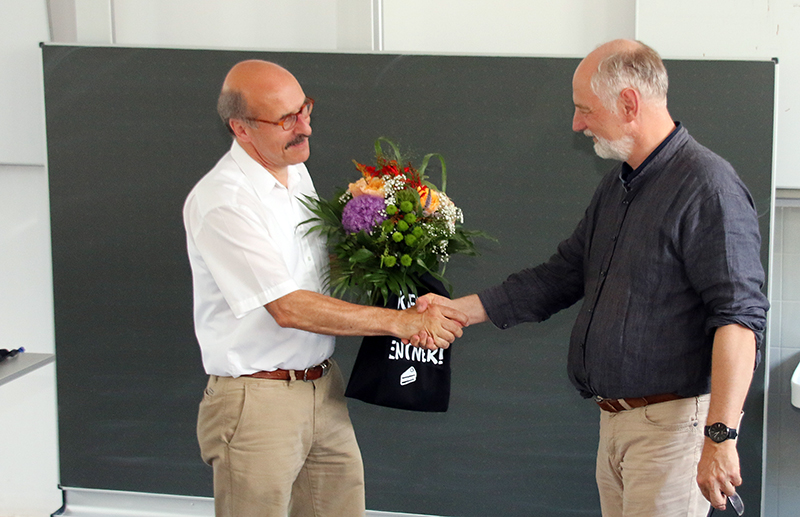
x,y
440,325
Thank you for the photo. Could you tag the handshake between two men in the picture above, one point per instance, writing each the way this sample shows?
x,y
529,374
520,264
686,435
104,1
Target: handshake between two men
x,y
445,320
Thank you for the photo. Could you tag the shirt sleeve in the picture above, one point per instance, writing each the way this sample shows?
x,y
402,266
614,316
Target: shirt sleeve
x,y
535,294
243,258
721,248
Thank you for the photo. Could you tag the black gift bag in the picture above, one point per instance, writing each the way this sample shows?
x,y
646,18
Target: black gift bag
x,y
391,374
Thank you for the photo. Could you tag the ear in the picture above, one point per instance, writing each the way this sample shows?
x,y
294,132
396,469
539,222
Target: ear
x,y
630,102
240,130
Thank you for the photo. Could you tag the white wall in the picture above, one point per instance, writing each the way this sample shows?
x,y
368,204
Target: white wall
x,y
737,29
564,28
22,26
678,28
29,458
782,476
297,24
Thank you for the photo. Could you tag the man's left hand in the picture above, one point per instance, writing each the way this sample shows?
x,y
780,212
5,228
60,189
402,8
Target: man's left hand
x,y
718,472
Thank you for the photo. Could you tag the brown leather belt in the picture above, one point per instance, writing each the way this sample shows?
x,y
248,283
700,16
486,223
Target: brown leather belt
x,y
617,405
309,374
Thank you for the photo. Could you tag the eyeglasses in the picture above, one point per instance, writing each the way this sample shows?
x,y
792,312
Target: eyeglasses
x,y
289,121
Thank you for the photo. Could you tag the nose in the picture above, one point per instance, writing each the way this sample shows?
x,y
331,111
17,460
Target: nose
x,y
303,125
578,124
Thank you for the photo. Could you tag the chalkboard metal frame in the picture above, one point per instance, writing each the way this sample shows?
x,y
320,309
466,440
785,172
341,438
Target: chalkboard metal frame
x,y
130,130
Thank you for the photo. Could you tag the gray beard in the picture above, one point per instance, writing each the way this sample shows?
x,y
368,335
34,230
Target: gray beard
x,y
620,149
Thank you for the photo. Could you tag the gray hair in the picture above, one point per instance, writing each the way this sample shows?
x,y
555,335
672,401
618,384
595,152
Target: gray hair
x,y
232,105
640,68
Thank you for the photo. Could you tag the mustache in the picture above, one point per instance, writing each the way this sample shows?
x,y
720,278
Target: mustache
x,y
295,141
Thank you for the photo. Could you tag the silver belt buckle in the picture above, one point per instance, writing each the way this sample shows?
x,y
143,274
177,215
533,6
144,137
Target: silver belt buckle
x,y
325,365
600,400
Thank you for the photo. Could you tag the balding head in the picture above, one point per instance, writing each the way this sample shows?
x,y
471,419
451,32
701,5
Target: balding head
x,y
621,64
249,86
620,96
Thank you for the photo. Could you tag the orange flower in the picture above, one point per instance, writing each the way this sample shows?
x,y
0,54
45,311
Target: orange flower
x,y
373,187
366,170
424,192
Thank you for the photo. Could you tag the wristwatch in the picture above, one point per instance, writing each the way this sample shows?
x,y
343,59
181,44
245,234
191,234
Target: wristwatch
x,y
720,432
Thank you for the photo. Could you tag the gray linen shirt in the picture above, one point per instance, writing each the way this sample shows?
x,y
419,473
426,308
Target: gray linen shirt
x,y
660,264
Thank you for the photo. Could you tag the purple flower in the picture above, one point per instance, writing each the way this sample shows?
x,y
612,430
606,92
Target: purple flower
x,y
363,213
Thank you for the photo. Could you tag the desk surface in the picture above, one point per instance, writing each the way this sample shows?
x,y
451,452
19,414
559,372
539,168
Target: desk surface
x,y
21,364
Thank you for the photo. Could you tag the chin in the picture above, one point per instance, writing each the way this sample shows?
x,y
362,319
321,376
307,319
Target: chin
x,y
299,153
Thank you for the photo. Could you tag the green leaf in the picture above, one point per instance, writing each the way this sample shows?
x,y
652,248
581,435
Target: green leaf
x,y
361,255
394,286
444,168
379,150
385,293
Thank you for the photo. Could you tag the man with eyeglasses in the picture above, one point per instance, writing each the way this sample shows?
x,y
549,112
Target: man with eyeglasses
x,y
273,421
666,261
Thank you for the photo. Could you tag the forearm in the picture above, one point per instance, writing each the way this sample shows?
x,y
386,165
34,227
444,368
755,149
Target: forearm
x,y
314,312
732,363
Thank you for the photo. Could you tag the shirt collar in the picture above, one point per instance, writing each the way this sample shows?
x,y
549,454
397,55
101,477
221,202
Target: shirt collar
x,y
628,173
259,176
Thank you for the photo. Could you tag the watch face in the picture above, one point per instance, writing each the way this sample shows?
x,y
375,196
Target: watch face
x,y
718,432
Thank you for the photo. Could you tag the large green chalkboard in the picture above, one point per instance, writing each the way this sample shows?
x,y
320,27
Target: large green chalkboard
x,y
129,132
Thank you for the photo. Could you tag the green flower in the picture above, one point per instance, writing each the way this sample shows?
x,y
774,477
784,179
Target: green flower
x,y
413,241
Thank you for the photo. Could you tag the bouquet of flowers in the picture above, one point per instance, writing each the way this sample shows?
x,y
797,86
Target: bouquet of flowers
x,y
389,228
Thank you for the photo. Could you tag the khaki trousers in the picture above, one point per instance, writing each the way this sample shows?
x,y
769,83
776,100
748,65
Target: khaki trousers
x,y
281,448
647,460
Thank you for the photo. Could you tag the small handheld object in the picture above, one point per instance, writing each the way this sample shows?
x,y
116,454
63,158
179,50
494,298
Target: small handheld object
x,y
5,354
736,502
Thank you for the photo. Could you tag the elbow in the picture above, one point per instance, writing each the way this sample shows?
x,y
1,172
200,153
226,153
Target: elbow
x,y
281,313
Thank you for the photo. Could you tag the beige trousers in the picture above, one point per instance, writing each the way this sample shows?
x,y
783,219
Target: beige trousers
x,y
647,460
281,448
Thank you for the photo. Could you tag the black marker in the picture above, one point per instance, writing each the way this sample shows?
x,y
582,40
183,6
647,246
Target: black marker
x,y
5,354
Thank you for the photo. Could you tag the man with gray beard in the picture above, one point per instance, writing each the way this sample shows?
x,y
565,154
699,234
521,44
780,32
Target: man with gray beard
x,y
666,261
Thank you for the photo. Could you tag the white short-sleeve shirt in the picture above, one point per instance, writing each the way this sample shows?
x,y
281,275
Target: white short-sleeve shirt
x,y
246,250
